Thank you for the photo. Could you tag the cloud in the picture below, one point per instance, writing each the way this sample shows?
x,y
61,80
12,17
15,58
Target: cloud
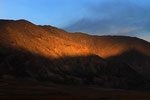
x,y
115,17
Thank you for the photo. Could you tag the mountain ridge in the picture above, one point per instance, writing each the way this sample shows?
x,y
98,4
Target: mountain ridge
x,y
46,52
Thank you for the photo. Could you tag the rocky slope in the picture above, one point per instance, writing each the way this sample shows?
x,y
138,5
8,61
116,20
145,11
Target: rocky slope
x,y
110,46
23,34
48,53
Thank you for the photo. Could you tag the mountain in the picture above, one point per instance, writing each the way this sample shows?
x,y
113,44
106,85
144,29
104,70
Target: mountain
x,y
24,34
112,47
46,53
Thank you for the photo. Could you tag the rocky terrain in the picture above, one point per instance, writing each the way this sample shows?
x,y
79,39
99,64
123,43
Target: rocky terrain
x,y
48,54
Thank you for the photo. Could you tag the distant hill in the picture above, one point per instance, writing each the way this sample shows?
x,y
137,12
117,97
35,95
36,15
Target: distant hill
x,y
48,53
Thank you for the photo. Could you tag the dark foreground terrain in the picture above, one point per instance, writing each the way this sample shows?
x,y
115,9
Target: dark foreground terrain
x,y
32,90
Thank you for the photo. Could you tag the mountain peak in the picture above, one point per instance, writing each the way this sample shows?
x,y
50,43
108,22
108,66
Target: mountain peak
x,y
23,21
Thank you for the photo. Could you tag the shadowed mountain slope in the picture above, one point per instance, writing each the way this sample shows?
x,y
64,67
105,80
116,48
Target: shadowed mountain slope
x,y
77,70
138,61
49,53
